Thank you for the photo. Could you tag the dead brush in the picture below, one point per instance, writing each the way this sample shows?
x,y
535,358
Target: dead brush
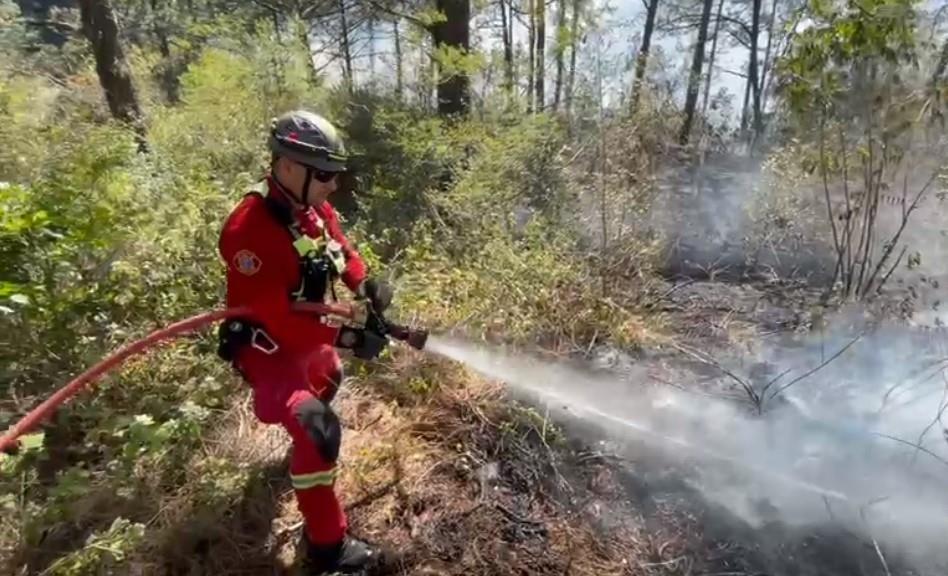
x,y
467,485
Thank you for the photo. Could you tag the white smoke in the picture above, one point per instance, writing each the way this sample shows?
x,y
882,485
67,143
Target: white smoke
x,y
838,447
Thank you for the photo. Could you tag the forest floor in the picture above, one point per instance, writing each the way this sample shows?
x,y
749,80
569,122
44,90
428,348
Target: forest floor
x,y
458,480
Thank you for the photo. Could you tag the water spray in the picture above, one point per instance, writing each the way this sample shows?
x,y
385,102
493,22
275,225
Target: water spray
x,y
799,465
450,350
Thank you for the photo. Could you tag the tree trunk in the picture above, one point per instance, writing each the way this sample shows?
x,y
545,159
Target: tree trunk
x,y
694,79
714,49
454,87
641,61
753,71
399,79
532,36
745,109
167,74
764,72
560,50
508,51
753,89
942,65
571,77
302,36
346,53
100,27
541,56
371,31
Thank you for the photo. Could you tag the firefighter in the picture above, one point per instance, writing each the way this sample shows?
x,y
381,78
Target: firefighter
x,y
283,243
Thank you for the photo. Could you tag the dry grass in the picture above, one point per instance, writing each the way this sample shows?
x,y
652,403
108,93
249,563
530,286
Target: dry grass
x,y
447,475
437,466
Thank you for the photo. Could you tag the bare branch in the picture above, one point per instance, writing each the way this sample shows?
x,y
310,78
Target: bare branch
x,y
916,446
812,371
942,405
398,14
51,24
895,240
891,270
755,398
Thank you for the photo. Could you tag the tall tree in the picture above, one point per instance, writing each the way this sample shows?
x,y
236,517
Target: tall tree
x,y
452,36
711,56
641,61
532,39
942,64
561,43
100,26
761,100
508,48
167,73
399,79
753,85
694,79
346,51
574,41
541,55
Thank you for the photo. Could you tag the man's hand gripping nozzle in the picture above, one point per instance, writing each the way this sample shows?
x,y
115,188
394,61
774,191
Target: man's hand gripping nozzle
x,y
366,332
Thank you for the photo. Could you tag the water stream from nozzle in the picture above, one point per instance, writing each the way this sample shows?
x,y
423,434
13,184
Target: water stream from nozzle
x,y
808,470
493,366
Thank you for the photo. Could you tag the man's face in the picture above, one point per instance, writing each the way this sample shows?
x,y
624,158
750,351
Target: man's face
x,y
293,176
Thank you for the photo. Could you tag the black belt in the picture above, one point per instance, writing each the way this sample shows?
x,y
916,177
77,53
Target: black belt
x,y
237,333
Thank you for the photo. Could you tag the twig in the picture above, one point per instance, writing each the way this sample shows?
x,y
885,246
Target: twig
x,y
826,192
942,405
675,288
940,364
862,514
814,370
513,516
898,234
711,362
373,495
907,443
891,270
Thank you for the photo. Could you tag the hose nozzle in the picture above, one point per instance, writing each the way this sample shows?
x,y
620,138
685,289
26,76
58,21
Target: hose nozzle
x,y
414,337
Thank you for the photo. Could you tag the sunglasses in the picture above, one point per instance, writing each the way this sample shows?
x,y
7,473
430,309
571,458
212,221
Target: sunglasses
x,y
322,175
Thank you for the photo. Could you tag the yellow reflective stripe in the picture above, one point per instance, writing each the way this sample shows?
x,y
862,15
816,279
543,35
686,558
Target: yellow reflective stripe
x,y
306,481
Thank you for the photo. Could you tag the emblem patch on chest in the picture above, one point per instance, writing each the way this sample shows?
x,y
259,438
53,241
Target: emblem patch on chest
x,y
246,262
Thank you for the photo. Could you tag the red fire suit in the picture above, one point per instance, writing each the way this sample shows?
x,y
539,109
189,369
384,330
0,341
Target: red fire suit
x,y
263,272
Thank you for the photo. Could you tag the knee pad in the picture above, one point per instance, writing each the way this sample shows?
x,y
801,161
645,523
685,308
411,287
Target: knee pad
x,y
322,426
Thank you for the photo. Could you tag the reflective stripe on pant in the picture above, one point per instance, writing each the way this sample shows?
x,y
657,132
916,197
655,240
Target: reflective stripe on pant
x,y
313,476
286,390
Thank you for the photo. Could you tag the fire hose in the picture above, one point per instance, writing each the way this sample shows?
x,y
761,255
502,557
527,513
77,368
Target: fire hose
x,y
347,311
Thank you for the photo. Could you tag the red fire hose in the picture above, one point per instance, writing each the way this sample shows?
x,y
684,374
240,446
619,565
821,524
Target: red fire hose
x,y
32,419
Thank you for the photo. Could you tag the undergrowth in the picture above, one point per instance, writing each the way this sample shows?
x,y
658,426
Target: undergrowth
x,y
100,244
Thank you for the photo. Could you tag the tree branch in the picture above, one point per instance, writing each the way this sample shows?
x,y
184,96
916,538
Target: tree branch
x,y
392,12
811,372
51,24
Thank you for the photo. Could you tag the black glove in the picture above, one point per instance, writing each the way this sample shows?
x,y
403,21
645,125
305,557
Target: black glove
x,y
378,292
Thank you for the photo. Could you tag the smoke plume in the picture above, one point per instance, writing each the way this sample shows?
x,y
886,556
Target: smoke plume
x,y
859,443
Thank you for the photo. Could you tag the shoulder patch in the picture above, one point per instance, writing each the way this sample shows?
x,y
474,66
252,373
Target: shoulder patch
x,y
246,262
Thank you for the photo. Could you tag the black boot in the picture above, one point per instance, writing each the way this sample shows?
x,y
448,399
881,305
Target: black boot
x,y
351,556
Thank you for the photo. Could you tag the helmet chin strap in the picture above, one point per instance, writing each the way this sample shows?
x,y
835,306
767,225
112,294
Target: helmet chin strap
x,y
306,182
